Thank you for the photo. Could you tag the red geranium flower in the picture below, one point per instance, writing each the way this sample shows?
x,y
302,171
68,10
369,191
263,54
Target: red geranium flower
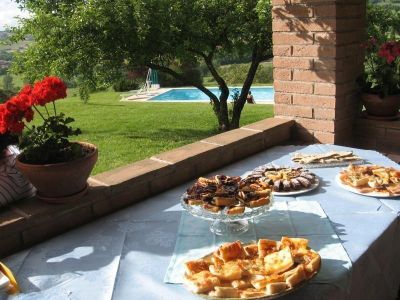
x,y
18,109
29,115
13,112
390,51
3,124
49,90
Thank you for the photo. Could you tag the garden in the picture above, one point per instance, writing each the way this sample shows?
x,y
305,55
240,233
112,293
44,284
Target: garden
x,y
127,131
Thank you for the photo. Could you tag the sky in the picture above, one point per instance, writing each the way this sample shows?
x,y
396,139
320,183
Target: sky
x,y
8,10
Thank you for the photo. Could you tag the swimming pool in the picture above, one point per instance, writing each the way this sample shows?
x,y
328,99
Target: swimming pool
x,y
261,94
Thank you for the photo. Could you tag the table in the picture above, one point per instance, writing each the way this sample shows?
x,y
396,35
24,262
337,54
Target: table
x,y
125,255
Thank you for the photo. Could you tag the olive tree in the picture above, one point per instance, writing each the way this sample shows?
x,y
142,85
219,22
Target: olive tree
x,y
91,40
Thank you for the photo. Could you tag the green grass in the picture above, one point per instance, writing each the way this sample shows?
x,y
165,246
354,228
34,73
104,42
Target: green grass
x,y
126,132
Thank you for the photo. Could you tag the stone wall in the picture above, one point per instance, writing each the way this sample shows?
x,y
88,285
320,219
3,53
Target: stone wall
x,y
317,57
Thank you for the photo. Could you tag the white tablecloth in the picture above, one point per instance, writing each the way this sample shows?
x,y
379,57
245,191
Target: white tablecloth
x,y
126,255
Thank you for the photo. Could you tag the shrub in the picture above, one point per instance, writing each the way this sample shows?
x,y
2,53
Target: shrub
x,y
383,22
8,83
264,74
167,80
236,74
191,74
382,66
194,75
5,95
126,84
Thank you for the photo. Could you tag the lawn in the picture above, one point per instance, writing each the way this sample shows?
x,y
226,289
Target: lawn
x,y
126,132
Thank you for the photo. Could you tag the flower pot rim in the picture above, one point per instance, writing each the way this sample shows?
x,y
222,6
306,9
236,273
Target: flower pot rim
x,y
94,152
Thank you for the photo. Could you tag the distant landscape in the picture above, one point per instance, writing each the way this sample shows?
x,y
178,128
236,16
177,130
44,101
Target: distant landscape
x,y
231,68
4,46
7,52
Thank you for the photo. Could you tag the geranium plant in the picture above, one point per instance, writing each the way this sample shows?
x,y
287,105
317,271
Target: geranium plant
x,y
47,143
381,68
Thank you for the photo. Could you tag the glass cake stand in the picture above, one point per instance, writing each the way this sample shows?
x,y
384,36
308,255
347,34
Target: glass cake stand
x,y
224,224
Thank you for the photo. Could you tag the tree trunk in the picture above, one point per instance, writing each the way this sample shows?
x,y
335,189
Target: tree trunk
x,y
241,101
219,105
223,116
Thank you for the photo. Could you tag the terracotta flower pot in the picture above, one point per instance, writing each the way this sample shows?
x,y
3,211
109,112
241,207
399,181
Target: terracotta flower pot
x,y
61,182
381,107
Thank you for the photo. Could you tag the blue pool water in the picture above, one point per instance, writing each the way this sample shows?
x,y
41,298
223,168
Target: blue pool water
x,y
263,94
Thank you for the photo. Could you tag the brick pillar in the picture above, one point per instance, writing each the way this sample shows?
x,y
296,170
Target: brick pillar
x,y
317,57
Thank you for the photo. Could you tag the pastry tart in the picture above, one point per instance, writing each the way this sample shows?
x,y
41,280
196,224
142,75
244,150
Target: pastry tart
x,y
372,179
286,179
230,194
329,158
265,269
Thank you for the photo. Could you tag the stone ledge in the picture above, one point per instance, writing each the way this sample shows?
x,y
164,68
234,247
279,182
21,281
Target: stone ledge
x,y
31,221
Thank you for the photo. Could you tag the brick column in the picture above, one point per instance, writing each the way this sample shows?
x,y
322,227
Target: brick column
x,y
317,57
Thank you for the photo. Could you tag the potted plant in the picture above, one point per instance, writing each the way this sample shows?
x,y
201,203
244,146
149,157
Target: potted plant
x,y
58,168
380,82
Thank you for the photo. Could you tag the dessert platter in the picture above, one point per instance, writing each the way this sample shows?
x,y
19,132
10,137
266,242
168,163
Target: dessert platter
x,y
329,159
287,181
264,270
228,201
370,180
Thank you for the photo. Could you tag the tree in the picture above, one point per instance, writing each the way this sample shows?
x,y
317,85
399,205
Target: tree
x,y
8,84
92,39
383,23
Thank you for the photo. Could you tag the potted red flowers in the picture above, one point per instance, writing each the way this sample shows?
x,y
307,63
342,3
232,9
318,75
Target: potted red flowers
x,y
380,82
58,168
